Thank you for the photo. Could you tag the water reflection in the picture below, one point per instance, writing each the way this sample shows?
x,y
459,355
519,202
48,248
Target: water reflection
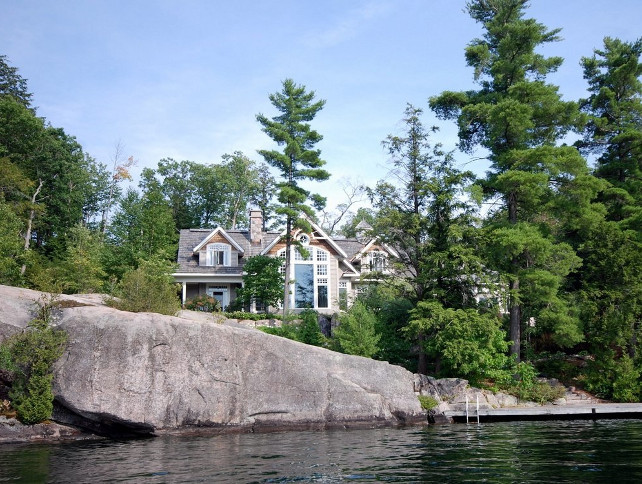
x,y
504,452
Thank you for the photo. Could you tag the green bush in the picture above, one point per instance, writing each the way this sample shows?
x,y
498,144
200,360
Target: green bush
x,y
356,333
427,403
205,303
32,355
251,316
289,331
468,343
149,288
525,386
304,331
309,332
6,362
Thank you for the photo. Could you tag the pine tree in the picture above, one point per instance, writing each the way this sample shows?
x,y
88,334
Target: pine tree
x,y
519,119
299,160
614,131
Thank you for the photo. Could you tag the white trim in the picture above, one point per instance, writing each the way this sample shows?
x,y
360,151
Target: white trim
x,y
374,241
218,230
273,243
315,228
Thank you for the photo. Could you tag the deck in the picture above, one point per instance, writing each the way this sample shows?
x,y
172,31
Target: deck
x,y
592,411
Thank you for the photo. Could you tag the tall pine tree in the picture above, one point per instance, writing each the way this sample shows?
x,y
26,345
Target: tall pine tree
x,y
519,119
298,161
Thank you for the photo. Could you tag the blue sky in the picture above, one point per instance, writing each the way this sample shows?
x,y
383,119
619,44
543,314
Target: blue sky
x,y
185,79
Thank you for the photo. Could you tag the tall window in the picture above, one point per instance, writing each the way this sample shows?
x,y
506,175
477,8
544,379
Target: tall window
x,y
377,261
218,254
311,274
343,295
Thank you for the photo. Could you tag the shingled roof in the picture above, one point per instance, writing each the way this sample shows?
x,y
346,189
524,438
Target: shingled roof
x,y
190,238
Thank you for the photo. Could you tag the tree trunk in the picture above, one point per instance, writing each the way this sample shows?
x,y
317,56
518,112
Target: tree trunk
x,y
515,321
32,214
286,284
514,307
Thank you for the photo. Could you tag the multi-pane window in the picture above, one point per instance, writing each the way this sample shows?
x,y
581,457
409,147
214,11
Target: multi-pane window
x,y
311,274
305,257
343,295
377,261
218,254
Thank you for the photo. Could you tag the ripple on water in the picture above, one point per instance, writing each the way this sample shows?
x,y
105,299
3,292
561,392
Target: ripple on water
x,y
571,451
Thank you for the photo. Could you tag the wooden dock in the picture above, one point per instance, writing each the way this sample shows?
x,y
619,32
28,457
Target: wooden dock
x,y
592,411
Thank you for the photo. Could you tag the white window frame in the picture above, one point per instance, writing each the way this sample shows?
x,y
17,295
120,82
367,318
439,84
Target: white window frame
x,y
212,254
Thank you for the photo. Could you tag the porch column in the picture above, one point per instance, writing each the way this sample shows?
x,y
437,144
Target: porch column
x,y
184,294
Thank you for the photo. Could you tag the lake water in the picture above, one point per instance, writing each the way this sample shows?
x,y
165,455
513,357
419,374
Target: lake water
x,y
569,451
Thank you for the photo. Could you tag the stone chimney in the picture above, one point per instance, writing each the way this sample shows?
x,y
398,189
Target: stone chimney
x,y
256,227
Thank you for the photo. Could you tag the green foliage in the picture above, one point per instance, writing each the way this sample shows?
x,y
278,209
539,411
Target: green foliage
x,y
614,378
289,331
203,303
534,183
304,330
32,354
262,281
309,332
6,360
466,344
150,288
142,229
427,218
427,403
81,265
614,130
392,313
251,316
13,84
11,246
526,386
202,195
356,333
298,162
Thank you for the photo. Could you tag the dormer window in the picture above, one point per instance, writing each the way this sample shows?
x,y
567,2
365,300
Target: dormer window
x,y
218,255
377,261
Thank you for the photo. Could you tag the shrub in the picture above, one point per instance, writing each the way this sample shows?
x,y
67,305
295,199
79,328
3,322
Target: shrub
x,y
32,354
468,343
526,386
427,403
305,331
289,331
251,316
356,333
147,289
203,303
309,332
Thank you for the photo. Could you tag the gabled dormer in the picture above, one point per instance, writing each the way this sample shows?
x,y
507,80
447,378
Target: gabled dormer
x,y
374,257
218,249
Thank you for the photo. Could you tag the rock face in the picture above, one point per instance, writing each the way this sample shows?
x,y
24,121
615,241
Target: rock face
x,y
150,373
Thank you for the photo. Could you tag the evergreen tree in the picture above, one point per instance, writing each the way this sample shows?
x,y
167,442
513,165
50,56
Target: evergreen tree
x,y
13,84
609,286
299,160
614,131
519,119
356,332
